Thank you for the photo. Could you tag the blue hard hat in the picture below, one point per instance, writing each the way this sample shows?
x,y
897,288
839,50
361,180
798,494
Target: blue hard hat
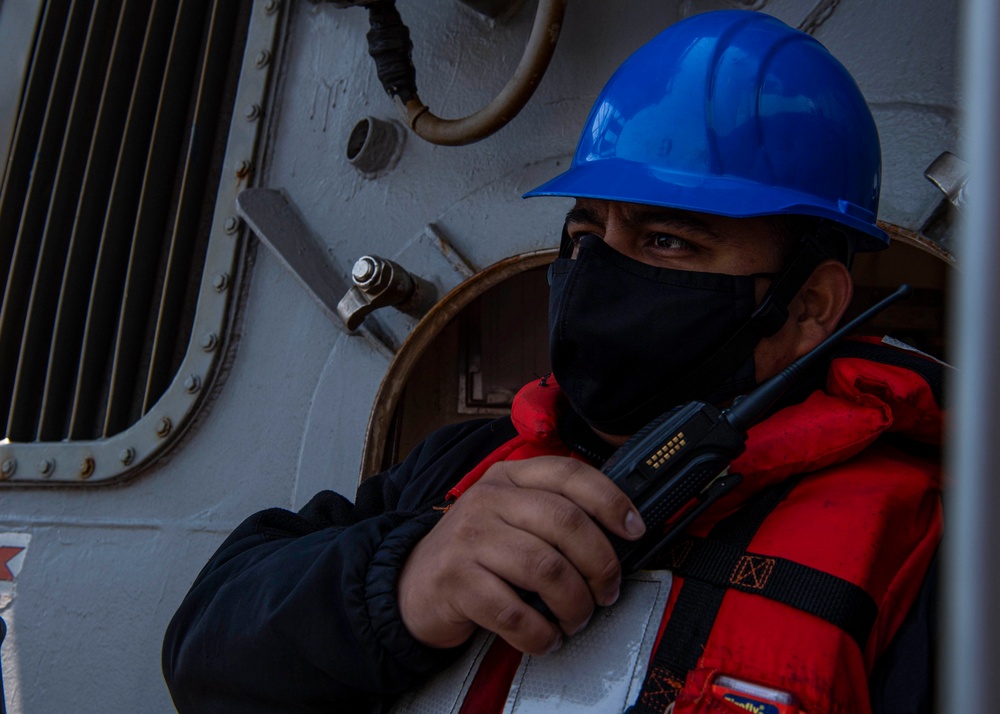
x,y
733,113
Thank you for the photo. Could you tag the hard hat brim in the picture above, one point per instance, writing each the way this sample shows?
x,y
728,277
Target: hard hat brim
x,y
635,182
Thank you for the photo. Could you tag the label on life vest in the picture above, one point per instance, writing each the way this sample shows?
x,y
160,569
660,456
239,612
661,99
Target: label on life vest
x,y
600,669
755,698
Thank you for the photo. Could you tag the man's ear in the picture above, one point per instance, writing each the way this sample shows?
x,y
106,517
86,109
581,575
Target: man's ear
x,y
813,315
819,305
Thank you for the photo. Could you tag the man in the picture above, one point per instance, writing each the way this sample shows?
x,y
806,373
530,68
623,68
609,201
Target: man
x,y
726,174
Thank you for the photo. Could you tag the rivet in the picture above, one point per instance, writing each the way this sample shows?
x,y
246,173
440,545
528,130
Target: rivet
x,y
7,468
46,467
272,6
87,467
220,282
192,384
209,342
263,58
163,426
252,113
231,225
126,455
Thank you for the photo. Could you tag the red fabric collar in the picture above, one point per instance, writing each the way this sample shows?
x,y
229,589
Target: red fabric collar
x,y
863,400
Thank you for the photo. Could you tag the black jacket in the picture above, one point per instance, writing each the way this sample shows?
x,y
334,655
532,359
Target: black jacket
x,y
297,612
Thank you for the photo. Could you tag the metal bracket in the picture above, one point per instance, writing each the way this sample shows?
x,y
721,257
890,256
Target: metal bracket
x,y
950,174
279,226
379,282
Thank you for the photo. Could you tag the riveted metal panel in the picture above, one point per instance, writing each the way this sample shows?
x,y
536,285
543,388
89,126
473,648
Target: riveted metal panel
x,y
121,247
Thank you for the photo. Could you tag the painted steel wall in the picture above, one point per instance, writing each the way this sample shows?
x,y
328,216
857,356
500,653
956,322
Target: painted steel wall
x,y
105,568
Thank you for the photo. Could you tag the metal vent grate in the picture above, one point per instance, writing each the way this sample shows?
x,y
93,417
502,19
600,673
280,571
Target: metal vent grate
x,y
106,208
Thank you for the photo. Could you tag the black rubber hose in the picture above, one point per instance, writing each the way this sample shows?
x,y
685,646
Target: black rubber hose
x,y
390,46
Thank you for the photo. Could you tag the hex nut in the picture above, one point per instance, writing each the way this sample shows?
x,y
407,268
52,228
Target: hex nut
x,y
253,112
46,466
87,467
263,59
126,455
209,342
163,426
220,282
192,384
8,467
232,225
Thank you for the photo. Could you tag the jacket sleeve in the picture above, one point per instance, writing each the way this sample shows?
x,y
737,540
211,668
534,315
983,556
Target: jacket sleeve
x,y
297,611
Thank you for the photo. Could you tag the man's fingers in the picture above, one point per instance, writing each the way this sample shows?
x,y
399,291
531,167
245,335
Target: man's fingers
x,y
493,605
555,540
594,492
532,564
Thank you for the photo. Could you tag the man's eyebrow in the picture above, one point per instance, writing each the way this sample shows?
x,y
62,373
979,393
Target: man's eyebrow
x,y
636,215
583,215
654,214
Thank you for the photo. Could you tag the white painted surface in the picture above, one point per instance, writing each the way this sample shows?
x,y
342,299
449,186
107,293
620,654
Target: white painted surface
x,y
107,567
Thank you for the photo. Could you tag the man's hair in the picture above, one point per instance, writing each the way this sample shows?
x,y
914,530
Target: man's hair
x,y
789,230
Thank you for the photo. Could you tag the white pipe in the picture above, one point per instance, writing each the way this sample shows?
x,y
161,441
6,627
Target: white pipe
x,y
971,653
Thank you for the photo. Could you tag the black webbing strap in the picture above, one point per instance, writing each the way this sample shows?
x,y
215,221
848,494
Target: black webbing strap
x,y
833,599
698,604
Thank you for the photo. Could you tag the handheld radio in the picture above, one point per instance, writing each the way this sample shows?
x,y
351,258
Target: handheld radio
x,y
678,464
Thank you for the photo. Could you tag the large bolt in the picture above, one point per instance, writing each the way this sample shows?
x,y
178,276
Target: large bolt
x,y
253,112
272,6
232,225
220,282
364,270
46,467
263,59
126,455
87,467
8,467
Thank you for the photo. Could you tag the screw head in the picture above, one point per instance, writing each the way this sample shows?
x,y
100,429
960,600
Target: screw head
x,y
126,455
8,467
363,270
87,467
46,467
263,59
232,225
253,112
192,384
209,342
163,426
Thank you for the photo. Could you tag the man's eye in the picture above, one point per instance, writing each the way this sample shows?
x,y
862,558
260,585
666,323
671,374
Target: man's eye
x,y
666,241
575,238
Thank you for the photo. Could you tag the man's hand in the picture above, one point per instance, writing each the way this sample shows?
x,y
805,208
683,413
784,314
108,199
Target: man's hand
x,y
531,524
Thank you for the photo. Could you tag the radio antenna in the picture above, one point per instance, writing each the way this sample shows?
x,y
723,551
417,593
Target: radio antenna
x,y
746,411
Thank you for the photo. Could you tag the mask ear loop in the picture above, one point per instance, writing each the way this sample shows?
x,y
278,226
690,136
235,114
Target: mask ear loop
x,y
565,243
565,251
771,314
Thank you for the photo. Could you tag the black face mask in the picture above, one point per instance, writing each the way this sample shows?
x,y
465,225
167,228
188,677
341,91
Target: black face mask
x,y
629,340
